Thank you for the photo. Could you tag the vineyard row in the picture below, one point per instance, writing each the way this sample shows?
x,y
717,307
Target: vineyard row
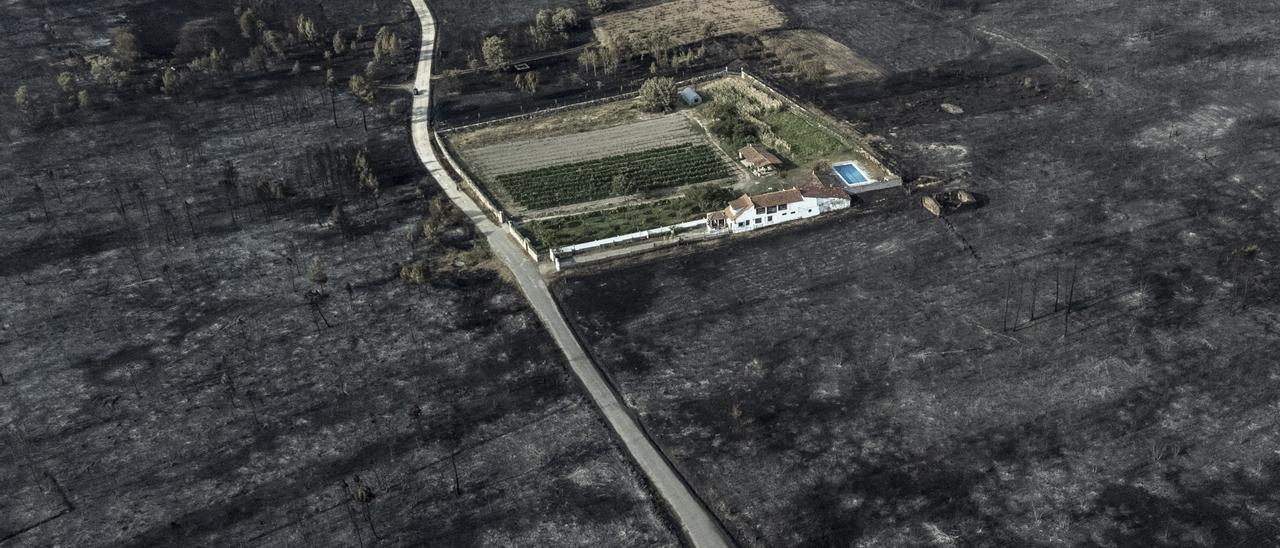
x,y
597,179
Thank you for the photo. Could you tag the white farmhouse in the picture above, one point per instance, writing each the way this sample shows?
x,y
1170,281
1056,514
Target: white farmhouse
x,y
752,212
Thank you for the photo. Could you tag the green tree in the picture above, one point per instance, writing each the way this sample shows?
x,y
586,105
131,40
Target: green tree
x,y
367,179
106,70
67,82
297,68
248,24
495,53
598,6
338,218
590,58
564,20
271,39
708,197
657,94
361,88
125,45
339,43
84,100
316,272
170,81
217,59
25,101
306,28
385,43
544,28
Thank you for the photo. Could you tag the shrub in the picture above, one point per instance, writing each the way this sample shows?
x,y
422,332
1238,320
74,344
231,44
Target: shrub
x,y
316,272
415,273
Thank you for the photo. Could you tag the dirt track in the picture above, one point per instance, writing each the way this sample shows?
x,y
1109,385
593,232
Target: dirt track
x,y
700,526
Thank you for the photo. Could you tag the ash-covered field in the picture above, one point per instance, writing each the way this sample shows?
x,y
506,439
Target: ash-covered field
x,y
1085,360
175,371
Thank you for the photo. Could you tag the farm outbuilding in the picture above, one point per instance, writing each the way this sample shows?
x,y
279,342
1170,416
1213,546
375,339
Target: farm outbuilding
x,y
759,159
690,97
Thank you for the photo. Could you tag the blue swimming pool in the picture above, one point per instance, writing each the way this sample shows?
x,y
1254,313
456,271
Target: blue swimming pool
x,y
850,173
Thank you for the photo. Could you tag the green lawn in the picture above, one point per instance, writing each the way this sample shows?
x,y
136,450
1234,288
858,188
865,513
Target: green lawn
x,y
809,140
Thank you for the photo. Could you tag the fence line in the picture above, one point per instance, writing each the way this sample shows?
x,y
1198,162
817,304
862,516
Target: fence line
x,y
524,242
464,180
641,235
483,199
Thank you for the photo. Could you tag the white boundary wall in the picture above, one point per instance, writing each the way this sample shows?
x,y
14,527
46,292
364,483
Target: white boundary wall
x,y
642,235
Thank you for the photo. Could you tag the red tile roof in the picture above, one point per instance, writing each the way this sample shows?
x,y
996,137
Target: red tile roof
x,y
739,205
789,196
758,156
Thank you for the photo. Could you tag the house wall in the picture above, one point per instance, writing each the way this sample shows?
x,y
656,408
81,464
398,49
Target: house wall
x,y
809,207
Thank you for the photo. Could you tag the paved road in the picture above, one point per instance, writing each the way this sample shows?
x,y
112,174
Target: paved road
x,y
700,527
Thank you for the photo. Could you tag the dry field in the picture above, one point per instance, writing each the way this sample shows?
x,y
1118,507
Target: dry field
x,y
840,61
565,122
688,21
516,156
891,36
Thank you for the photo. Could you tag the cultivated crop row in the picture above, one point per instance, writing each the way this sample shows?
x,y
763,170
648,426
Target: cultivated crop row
x,y
596,179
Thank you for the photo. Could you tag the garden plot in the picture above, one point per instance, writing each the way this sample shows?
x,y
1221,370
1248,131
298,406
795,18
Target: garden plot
x,y
505,158
614,176
688,21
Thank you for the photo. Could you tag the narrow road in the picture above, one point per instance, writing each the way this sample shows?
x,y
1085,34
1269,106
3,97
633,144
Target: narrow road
x,y
699,526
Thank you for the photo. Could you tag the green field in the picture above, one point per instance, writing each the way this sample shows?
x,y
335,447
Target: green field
x,y
808,139
593,180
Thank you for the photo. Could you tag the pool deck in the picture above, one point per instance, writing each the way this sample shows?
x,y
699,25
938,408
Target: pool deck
x,y
868,183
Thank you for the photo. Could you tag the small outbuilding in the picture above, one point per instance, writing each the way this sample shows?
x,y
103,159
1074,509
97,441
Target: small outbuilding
x,y
690,97
759,159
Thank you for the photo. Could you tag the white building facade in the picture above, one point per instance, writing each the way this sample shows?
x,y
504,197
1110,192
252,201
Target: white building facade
x,y
751,212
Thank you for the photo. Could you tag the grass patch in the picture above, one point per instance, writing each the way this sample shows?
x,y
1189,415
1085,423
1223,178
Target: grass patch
x,y
739,114
595,179
807,139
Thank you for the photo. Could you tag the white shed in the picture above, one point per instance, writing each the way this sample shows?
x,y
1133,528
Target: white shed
x,y
690,97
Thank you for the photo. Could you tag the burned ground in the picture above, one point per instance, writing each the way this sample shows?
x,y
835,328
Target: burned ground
x,y
172,371
892,378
